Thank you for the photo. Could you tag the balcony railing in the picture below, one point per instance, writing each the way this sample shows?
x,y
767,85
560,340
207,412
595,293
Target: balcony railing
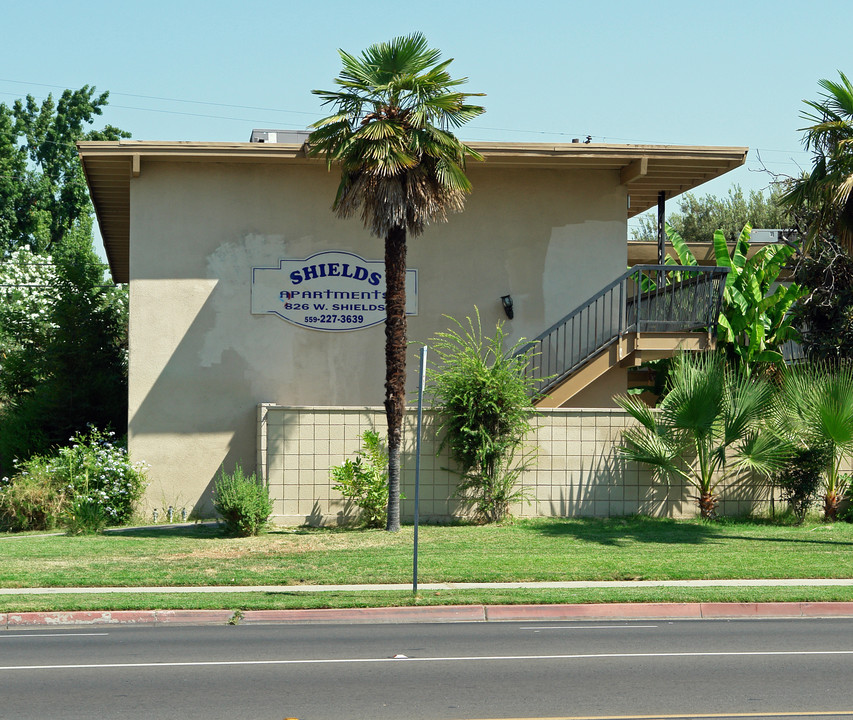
x,y
647,298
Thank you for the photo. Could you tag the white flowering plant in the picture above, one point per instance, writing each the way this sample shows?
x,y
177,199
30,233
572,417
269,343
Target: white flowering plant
x,y
28,295
98,470
93,471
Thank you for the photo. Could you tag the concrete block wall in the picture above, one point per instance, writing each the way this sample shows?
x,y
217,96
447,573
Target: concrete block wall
x,y
577,472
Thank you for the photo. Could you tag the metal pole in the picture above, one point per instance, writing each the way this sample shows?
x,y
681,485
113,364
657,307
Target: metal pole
x,y
421,383
661,235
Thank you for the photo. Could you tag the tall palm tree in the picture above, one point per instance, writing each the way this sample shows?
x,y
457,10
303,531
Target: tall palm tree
x,y
402,168
707,428
826,193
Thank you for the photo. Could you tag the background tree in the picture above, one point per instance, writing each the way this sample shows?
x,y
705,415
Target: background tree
x,y
401,168
698,218
824,317
42,188
62,324
826,192
73,374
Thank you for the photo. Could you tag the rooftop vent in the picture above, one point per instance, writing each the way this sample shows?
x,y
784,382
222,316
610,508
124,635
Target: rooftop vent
x,y
765,235
294,137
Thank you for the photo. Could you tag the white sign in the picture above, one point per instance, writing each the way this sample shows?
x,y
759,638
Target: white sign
x,y
332,291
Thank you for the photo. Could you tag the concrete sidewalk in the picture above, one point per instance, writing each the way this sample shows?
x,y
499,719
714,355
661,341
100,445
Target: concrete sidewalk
x,y
444,613
565,585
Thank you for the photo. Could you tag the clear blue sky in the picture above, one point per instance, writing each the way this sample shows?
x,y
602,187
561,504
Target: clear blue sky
x,y
669,72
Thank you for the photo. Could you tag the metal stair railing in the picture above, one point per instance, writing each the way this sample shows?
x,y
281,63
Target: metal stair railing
x,y
646,298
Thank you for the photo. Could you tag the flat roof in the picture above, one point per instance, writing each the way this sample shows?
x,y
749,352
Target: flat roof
x,y
645,170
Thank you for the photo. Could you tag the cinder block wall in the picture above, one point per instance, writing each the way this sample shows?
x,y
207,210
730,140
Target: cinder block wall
x,y
577,472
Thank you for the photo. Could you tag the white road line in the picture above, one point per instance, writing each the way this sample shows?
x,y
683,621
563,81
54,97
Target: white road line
x,y
591,627
4,636
472,658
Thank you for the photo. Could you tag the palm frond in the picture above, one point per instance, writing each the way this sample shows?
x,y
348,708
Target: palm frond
x,y
401,167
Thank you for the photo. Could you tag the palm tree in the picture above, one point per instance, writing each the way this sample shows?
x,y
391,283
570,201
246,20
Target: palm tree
x,y
826,193
402,168
706,429
816,407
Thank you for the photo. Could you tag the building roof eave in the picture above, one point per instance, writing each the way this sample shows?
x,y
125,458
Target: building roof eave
x,y
645,170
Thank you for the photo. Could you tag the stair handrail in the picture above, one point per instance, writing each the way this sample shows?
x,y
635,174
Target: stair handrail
x,y
626,316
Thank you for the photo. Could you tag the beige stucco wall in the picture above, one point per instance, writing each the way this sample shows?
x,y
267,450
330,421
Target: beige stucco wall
x,y
577,471
200,362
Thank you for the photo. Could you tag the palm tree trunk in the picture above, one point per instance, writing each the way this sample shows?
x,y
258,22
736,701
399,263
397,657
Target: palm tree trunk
x,y
395,363
707,505
830,506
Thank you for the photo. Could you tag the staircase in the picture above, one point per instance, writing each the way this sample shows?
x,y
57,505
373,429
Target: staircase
x,y
650,312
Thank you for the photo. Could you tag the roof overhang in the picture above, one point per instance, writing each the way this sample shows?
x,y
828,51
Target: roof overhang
x,y
645,170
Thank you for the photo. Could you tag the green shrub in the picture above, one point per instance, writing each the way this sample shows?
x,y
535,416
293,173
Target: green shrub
x,y
33,499
364,481
85,517
242,501
483,395
800,480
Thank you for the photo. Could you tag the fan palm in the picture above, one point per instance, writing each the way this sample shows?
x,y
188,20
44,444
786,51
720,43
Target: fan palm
x,y
827,191
401,168
816,407
706,429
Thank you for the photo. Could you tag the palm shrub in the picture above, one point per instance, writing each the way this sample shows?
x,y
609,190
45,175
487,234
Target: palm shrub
x,y
364,481
816,407
709,427
483,397
243,501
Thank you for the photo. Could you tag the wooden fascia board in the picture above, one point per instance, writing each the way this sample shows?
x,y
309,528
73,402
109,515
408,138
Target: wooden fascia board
x,y
636,169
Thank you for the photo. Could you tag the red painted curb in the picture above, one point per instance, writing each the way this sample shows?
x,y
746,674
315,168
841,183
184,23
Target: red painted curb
x,y
194,617
826,609
105,617
438,613
591,611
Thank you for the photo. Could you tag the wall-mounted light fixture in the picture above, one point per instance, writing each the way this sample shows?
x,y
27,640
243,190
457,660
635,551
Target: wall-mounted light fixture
x,y
506,301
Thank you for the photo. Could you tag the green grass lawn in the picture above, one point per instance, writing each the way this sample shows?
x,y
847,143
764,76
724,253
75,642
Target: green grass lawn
x,y
541,549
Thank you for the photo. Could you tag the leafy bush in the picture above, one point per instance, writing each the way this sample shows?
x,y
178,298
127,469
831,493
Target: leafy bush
x,y
800,480
483,396
85,517
242,501
364,481
93,469
33,499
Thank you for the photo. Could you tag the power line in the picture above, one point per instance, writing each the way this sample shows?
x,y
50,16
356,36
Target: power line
x,y
558,133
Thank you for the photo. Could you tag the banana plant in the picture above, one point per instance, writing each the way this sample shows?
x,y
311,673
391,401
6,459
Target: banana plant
x,y
754,321
685,258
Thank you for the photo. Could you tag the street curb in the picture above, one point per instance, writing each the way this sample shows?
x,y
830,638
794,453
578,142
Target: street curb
x,y
116,617
435,614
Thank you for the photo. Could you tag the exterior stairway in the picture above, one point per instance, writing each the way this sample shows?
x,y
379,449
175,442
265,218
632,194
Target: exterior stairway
x,y
650,312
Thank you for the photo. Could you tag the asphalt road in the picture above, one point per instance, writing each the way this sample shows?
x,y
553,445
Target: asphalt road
x,y
742,668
